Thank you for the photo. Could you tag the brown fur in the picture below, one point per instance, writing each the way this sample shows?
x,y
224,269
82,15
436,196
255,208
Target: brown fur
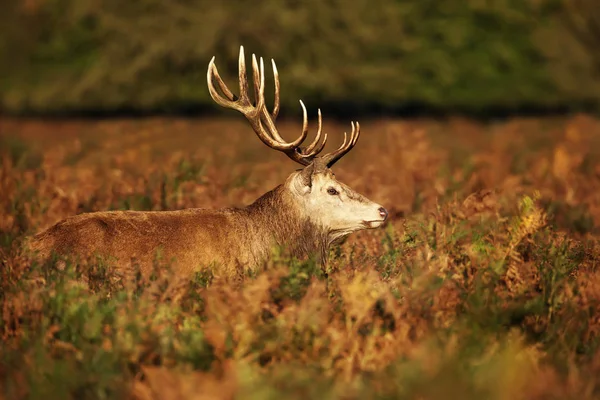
x,y
232,239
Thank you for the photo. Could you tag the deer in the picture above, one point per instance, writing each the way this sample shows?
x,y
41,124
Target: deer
x,y
306,214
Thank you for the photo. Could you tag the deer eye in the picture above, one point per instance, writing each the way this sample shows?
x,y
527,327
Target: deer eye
x,y
332,191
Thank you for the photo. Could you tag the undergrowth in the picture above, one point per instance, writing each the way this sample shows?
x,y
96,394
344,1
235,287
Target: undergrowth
x,y
488,289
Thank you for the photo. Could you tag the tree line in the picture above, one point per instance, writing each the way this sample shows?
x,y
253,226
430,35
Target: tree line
x,y
108,56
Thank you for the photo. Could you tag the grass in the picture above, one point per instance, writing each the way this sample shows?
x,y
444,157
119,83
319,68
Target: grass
x,y
484,284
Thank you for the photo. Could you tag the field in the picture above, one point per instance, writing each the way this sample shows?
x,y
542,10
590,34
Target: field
x,y
485,283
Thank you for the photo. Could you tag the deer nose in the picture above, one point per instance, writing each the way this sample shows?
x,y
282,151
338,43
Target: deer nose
x,y
383,212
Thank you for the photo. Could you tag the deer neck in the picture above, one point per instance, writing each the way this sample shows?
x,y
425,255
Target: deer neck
x,y
279,222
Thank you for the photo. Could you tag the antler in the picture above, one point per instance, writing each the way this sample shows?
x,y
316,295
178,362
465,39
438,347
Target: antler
x,y
332,158
263,122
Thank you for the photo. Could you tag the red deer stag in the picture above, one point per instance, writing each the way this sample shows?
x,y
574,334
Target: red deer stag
x,y
306,214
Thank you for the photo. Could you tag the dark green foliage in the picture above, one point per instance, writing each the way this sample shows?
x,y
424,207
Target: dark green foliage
x,y
148,56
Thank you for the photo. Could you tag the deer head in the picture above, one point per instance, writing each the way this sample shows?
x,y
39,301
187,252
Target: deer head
x,y
314,189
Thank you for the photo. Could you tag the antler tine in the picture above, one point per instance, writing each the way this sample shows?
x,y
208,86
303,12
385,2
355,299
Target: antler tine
x,y
243,78
260,100
257,81
304,119
332,158
346,138
214,74
357,134
259,89
275,112
312,147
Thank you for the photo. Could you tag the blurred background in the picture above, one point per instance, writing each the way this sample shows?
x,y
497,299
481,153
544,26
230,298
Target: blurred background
x,y
484,283
384,57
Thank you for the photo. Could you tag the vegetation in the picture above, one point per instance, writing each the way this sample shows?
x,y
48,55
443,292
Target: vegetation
x,y
478,57
484,284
